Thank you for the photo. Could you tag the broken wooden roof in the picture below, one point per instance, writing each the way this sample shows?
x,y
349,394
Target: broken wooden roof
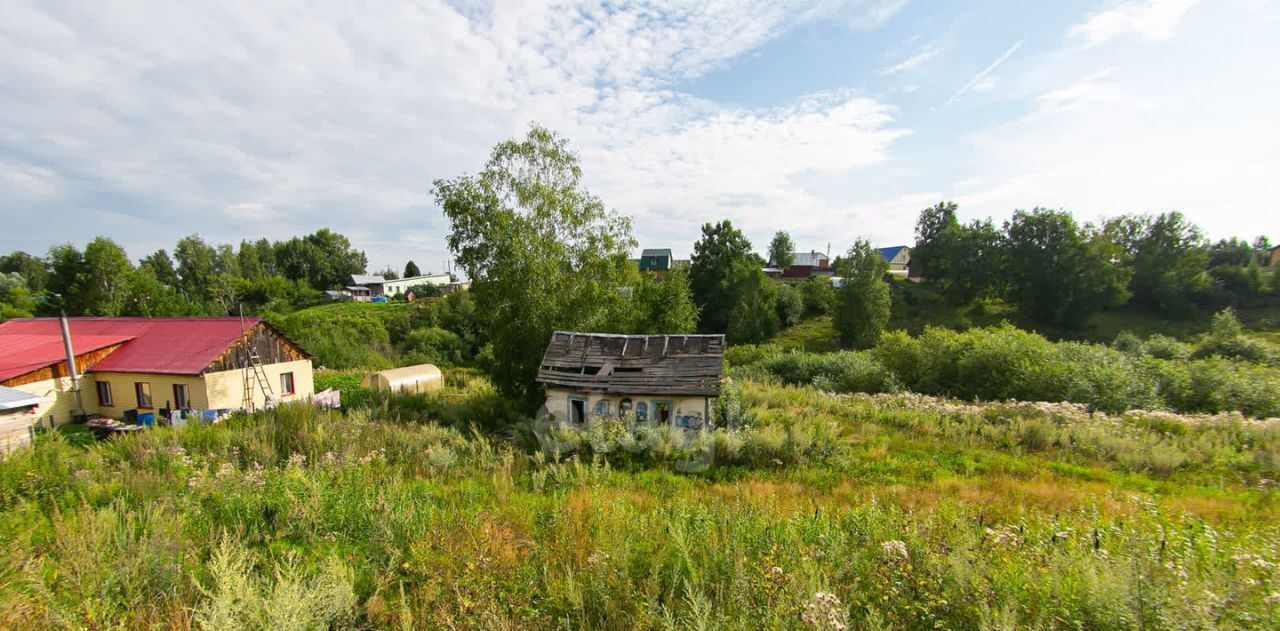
x,y
634,364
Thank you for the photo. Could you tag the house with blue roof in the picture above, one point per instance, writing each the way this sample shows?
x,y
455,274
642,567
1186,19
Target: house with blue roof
x,y
899,259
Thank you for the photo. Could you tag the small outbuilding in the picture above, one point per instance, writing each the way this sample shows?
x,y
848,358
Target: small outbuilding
x,y
17,417
657,379
420,378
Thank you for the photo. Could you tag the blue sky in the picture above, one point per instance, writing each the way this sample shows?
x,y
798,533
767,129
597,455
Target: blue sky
x,y
833,120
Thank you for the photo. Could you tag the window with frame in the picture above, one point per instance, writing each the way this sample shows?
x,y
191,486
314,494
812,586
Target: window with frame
x,y
602,409
286,383
104,393
142,390
181,398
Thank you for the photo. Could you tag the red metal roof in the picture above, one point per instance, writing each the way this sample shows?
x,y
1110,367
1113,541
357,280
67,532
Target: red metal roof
x,y
177,346
21,353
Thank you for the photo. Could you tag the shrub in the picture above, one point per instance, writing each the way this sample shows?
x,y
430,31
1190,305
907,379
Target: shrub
x,y
434,345
1165,347
1129,344
790,305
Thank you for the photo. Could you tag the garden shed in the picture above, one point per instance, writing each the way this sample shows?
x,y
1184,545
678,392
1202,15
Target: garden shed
x,y
419,378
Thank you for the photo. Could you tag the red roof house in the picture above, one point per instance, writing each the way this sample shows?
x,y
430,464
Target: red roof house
x,y
142,363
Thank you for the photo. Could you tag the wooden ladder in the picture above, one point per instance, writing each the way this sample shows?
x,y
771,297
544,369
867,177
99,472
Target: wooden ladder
x,y
259,377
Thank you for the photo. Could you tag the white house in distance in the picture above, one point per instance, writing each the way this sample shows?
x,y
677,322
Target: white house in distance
x,y
378,286
658,379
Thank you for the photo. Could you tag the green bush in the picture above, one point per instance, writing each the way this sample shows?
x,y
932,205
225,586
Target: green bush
x,y
1165,347
434,345
1005,362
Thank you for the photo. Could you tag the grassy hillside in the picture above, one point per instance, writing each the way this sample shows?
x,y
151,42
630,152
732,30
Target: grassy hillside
x,y
381,335
917,513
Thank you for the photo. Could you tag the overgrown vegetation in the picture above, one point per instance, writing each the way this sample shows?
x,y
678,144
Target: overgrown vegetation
x,y
925,514
1224,372
444,331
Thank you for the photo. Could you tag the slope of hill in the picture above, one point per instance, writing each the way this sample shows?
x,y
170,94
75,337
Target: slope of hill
x,y
872,512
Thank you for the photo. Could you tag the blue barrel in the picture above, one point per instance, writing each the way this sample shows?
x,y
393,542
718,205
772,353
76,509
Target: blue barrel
x,y
147,418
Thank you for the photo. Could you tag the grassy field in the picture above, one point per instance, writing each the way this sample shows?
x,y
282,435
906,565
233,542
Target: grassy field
x,y
923,513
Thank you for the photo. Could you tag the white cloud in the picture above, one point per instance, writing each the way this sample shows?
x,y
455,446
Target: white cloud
x,y
979,79
930,51
294,115
879,12
1090,89
20,182
1149,19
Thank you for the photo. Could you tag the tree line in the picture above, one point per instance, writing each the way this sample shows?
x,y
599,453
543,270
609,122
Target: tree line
x,y
197,279
1060,272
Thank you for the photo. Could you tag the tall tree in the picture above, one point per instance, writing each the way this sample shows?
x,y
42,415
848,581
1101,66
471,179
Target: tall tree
x,y
34,270
66,268
1169,256
324,258
962,260
411,270
754,316
935,232
1059,272
722,260
15,298
542,251
862,302
661,306
104,286
782,250
161,268
197,266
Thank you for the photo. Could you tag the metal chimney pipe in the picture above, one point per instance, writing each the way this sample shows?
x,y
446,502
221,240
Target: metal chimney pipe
x,y
71,361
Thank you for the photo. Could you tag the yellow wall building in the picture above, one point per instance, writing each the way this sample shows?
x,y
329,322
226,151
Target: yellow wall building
x,y
152,365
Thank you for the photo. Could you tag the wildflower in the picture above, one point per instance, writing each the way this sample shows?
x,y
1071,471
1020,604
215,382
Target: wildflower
x,y
597,558
1273,598
824,611
254,475
895,550
1004,536
225,470
297,460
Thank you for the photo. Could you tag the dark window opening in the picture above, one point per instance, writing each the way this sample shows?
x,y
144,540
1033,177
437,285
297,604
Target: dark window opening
x,y
180,398
577,411
662,412
142,390
104,393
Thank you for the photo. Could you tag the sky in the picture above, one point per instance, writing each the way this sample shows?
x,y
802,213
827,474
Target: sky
x,y
832,120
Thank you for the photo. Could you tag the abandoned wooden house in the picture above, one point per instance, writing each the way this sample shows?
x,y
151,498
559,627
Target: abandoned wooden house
x,y
658,379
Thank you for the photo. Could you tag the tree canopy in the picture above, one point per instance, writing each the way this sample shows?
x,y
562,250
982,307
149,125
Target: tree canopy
x,y
861,307
722,261
781,250
1058,271
542,252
